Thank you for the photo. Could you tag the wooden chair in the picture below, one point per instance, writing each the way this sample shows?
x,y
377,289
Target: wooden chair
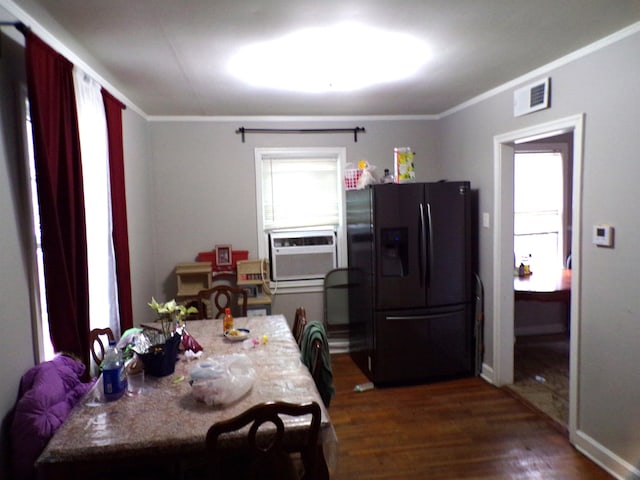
x,y
299,322
218,298
264,453
221,278
97,346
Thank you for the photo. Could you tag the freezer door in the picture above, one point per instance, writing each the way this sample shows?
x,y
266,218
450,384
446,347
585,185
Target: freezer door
x,y
424,346
448,227
398,270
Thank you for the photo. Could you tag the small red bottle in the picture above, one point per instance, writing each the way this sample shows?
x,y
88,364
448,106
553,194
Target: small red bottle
x,y
227,322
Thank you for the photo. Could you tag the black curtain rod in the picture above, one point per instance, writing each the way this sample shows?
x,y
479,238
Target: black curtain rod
x,y
242,131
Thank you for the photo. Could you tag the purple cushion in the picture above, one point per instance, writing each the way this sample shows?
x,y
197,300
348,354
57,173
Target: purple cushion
x,y
48,393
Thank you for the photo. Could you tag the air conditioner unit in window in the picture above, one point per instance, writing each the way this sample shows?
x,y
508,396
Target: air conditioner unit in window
x,y
302,255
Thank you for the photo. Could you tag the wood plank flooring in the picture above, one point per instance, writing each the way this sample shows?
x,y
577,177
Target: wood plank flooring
x,y
460,429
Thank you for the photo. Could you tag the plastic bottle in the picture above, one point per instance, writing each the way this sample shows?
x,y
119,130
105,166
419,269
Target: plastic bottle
x,y
113,377
526,264
227,322
388,178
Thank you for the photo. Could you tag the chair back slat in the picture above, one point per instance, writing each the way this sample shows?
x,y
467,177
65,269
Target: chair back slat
x,y
211,302
299,322
96,344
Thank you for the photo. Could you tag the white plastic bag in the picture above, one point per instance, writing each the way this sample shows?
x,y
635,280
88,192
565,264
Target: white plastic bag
x,y
368,177
223,379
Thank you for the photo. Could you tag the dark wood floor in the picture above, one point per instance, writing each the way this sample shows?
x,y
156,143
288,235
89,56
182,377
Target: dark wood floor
x,y
461,429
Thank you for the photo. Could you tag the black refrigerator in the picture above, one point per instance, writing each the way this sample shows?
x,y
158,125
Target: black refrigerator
x,y
410,281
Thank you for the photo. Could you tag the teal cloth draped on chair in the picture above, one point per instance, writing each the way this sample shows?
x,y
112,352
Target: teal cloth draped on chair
x,y
315,355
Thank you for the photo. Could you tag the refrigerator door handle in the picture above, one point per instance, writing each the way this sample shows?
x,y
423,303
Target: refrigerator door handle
x,y
422,317
430,245
422,246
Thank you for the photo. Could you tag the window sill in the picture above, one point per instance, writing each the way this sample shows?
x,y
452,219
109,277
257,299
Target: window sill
x,y
288,287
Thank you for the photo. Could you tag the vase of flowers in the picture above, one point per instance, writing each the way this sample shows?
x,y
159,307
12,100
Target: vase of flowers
x,y
160,358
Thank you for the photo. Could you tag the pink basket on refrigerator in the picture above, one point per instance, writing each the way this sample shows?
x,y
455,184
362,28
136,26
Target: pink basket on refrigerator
x,y
351,177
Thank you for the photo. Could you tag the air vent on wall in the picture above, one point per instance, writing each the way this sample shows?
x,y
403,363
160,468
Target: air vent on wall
x,y
531,98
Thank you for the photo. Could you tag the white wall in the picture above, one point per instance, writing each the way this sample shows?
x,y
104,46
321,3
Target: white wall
x,y
604,86
16,347
139,184
205,183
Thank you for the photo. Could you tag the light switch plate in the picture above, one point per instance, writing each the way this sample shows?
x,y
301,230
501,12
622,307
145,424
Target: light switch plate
x,y
486,220
603,235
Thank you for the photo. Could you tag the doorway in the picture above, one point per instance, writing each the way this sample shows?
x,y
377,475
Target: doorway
x,y
542,242
503,299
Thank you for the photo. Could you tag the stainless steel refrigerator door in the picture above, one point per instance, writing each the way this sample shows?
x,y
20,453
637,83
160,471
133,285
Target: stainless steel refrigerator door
x,y
422,245
448,230
422,346
399,278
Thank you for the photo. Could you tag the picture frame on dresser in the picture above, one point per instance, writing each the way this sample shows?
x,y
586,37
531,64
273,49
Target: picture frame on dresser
x,y
223,255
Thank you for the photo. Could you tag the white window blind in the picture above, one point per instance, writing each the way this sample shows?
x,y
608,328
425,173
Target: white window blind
x,y
300,191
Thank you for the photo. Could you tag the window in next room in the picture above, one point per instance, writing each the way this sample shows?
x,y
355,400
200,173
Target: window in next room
x,y
538,209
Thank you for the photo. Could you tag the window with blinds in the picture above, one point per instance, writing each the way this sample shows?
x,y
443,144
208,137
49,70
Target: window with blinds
x,y
299,188
299,192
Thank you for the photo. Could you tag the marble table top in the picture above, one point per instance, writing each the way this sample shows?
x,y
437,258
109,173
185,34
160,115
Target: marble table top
x,y
167,418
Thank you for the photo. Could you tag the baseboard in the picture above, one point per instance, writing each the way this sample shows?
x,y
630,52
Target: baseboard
x,y
338,346
605,458
487,373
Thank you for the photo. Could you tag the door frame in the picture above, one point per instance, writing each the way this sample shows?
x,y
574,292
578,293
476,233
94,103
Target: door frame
x,y
503,302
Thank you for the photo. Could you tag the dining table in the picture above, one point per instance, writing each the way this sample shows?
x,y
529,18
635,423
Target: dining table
x,y
550,285
166,424
553,285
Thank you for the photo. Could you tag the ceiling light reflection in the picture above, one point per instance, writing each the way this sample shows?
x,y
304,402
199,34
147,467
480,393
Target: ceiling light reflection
x,y
343,58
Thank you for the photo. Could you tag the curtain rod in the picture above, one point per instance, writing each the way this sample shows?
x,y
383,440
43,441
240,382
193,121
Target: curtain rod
x,y
355,131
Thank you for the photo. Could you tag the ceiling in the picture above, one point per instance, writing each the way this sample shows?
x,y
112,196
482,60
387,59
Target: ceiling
x,y
169,57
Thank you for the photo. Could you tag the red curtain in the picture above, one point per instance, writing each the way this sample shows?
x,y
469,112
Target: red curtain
x,y
60,195
113,109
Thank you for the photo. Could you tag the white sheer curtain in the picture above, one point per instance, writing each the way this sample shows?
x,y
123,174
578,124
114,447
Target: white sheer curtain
x,y
103,293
